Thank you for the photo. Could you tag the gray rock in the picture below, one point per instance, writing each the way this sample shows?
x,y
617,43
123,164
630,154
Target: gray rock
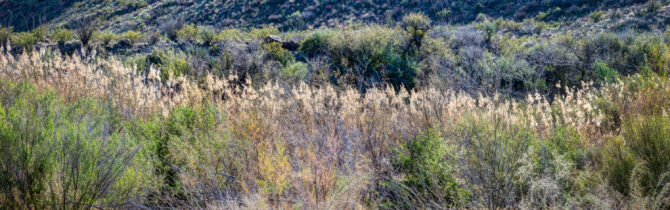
x,y
273,38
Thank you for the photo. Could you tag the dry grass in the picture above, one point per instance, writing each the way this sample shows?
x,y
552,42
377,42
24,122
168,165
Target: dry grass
x,y
316,148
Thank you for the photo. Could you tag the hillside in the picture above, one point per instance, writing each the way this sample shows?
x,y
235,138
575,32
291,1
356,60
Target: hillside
x,y
147,15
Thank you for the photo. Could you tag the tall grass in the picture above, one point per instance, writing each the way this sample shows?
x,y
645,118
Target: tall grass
x,y
84,132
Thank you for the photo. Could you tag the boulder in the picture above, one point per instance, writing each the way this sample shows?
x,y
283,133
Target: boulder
x,y
289,45
273,38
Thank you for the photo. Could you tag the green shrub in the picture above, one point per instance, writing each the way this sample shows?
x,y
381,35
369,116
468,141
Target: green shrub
x,y
188,33
649,141
69,156
295,72
443,15
566,141
133,36
492,151
606,73
596,16
618,164
172,63
229,34
24,40
40,33
426,173
154,37
369,52
261,33
183,142
417,25
653,6
295,21
277,52
106,37
62,35
137,61
489,29
5,34
207,35
315,44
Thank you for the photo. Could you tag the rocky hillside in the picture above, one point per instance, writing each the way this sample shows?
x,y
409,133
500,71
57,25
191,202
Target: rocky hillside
x,y
147,15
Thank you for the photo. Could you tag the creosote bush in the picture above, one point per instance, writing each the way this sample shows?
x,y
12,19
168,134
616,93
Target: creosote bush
x,y
5,34
133,36
62,35
426,165
106,37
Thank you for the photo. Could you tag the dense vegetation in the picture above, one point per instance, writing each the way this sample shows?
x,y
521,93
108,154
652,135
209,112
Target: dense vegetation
x,y
526,112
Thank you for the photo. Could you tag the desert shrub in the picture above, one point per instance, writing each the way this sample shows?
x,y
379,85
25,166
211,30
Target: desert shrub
x,y
295,72
133,3
656,54
648,140
69,156
5,34
426,174
371,55
261,33
315,44
171,28
417,25
207,35
106,37
24,40
492,150
278,53
133,36
40,33
173,64
596,16
229,34
62,35
139,62
85,28
653,6
549,170
443,15
606,73
188,33
618,164
195,160
295,21
154,37
489,29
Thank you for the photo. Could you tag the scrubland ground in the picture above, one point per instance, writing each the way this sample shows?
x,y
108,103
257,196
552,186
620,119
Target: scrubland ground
x,y
495,114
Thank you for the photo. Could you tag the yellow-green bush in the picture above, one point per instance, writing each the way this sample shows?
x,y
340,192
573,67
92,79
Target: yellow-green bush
x,y
62,35
426,174
207,35
188,32
261,33
66,155
24,40
295,72
5,34
106,37
229,34
133,36
275,49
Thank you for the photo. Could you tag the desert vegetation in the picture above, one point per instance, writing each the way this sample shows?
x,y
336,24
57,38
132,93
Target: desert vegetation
x,y
526,112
